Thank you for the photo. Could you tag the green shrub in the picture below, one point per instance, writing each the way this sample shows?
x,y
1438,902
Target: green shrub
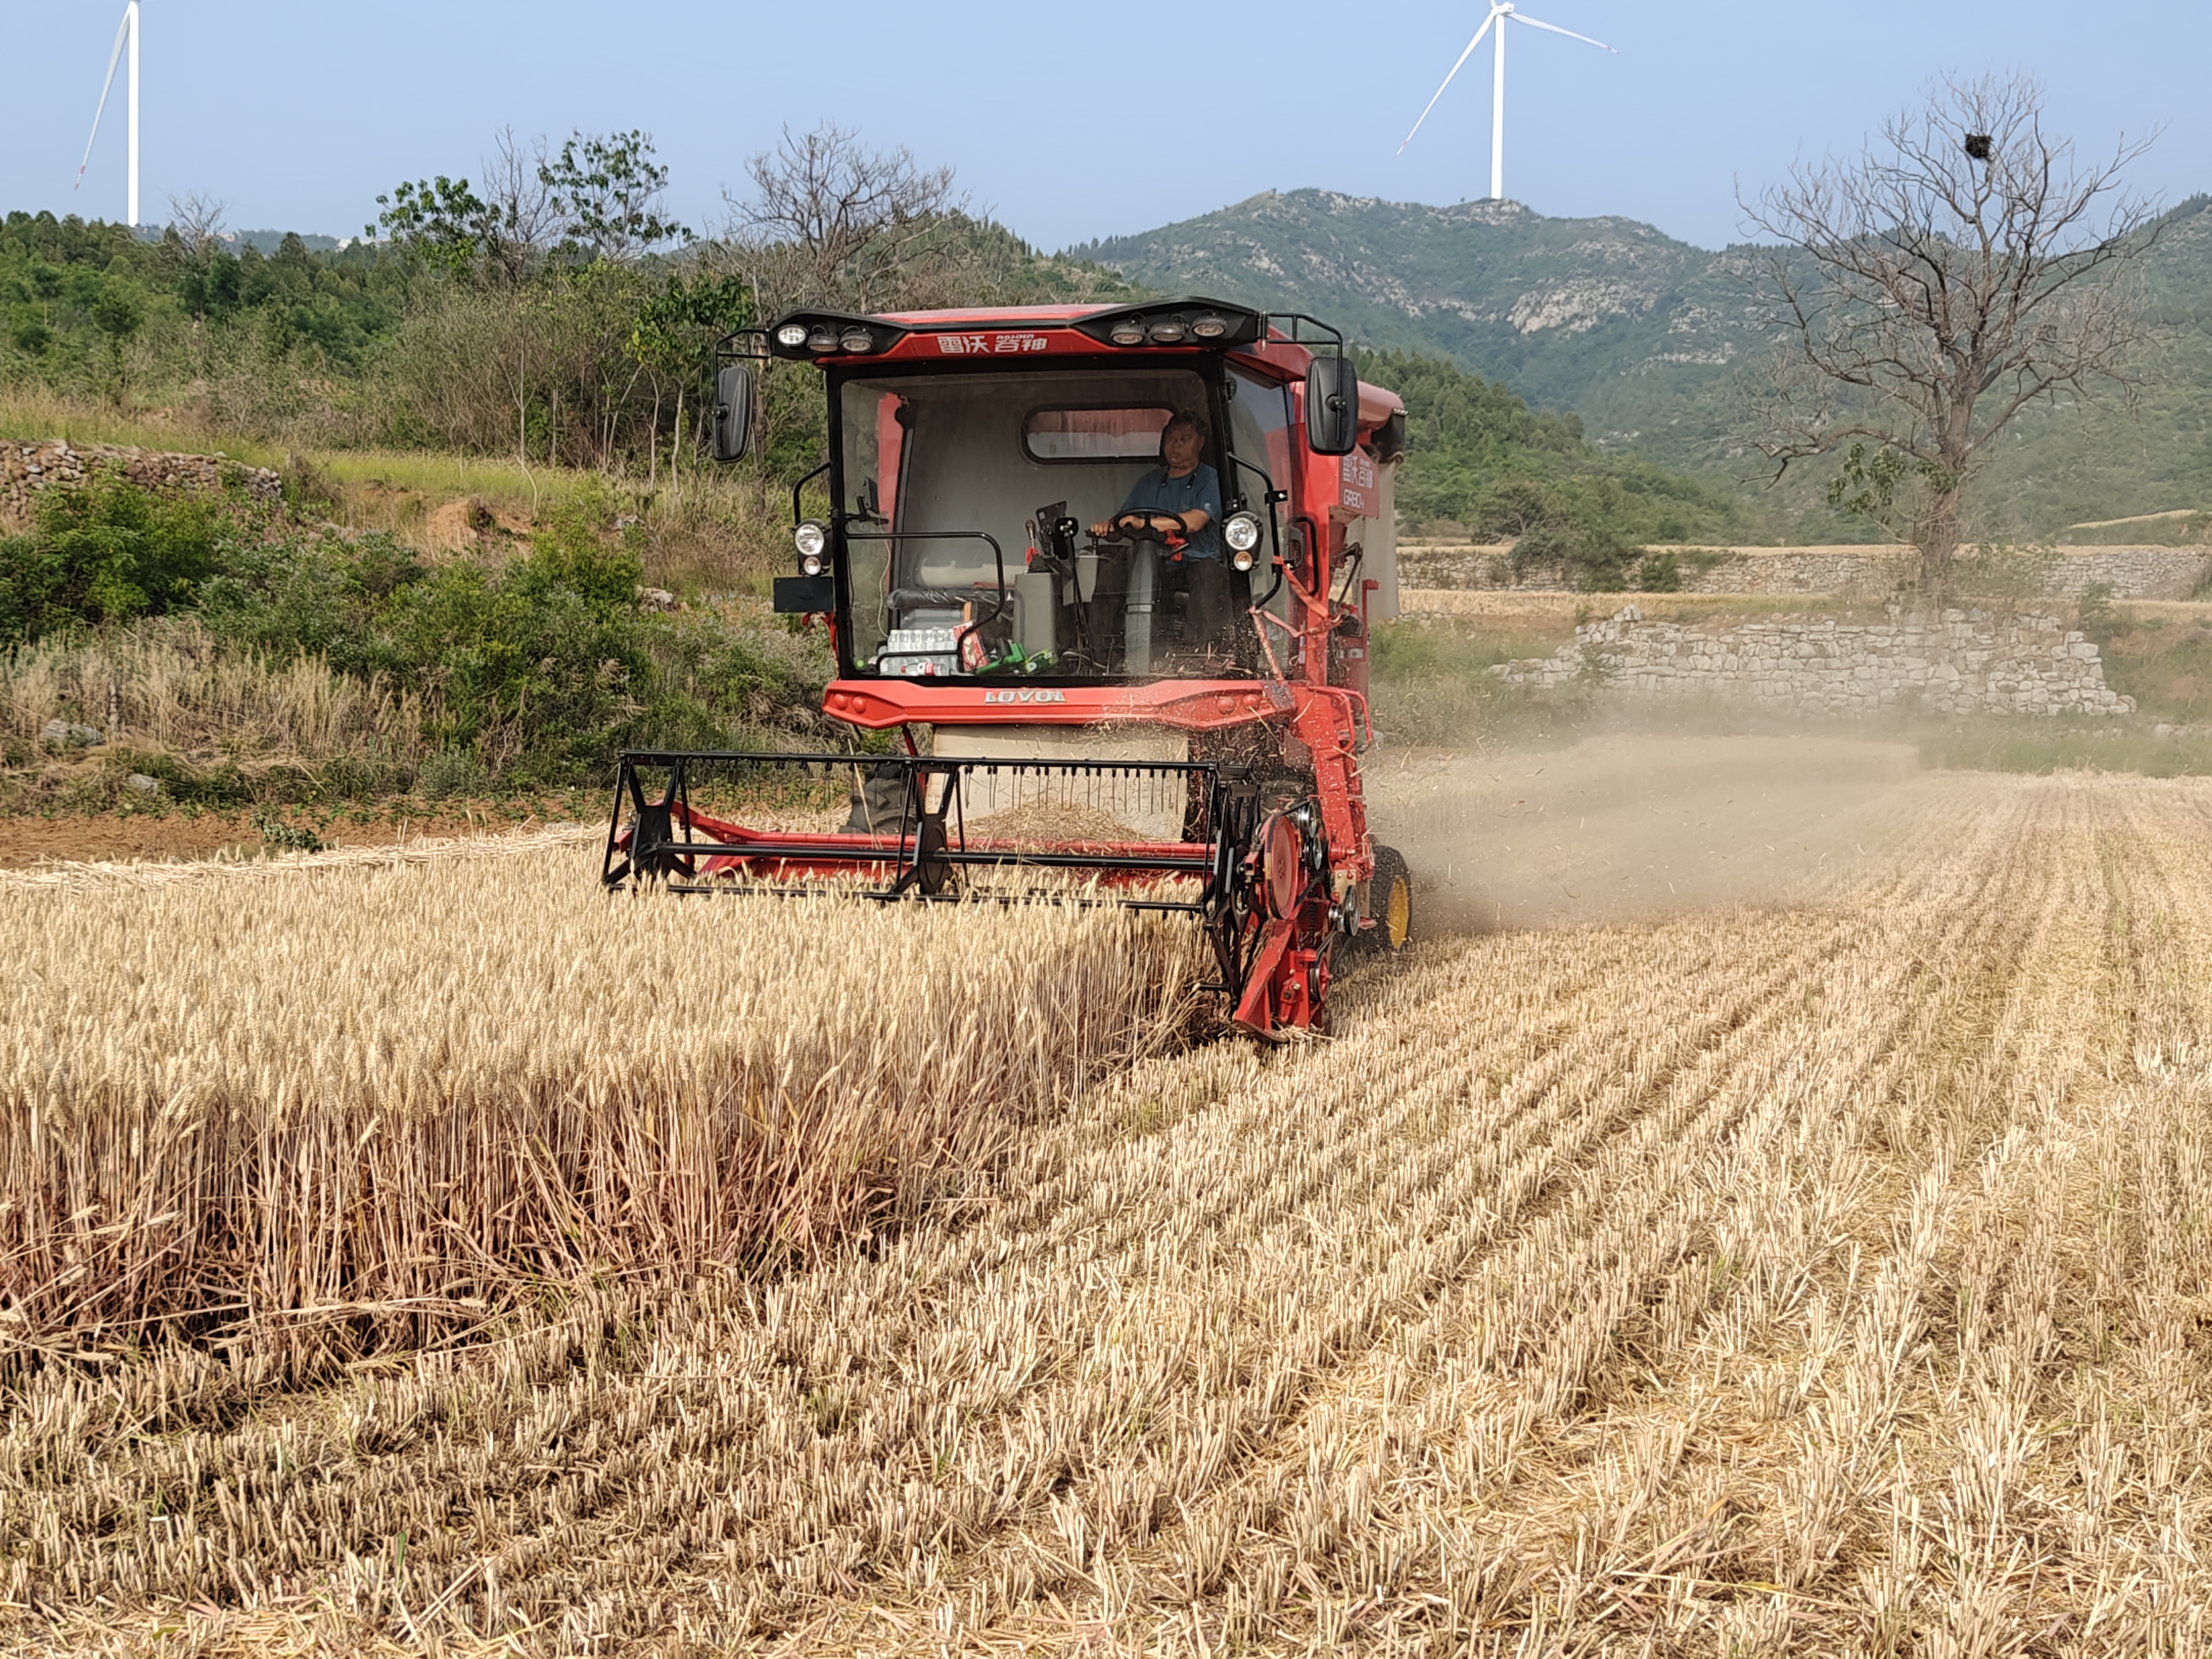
x,y
571,552
1601,559
536,672
284,835
1541,545
451,772
106,553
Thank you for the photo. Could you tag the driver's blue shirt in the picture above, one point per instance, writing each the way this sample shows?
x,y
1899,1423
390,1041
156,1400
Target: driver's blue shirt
x,y
1199,490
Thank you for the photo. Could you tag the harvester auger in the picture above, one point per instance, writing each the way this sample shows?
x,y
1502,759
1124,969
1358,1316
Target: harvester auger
x,y
1165,711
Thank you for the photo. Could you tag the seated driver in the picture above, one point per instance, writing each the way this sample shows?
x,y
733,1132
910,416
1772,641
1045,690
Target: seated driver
x,y
1184,488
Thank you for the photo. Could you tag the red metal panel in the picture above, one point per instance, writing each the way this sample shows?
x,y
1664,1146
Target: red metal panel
x,y
1187,705
1377,404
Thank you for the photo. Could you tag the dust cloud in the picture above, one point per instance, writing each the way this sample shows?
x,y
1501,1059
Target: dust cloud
x,y
1625,827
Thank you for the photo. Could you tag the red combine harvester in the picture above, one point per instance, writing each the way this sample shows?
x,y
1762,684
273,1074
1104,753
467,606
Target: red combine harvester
x,y
1116,565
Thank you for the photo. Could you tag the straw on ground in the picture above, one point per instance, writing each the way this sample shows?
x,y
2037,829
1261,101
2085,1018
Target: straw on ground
x,y
1823,1280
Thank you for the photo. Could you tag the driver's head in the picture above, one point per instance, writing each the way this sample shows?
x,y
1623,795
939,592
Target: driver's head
x,y
1182,440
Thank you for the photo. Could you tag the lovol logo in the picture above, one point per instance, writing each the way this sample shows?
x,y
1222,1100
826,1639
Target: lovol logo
x,y
1024,695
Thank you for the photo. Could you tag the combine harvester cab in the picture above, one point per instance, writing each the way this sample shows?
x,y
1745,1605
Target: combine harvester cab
x,y
1088,681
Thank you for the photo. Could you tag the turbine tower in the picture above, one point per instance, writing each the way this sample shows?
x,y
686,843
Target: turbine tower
x,y
1501,12
130,32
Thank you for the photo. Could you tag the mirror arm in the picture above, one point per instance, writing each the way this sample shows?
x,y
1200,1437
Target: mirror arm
x,y
1270,495
801,485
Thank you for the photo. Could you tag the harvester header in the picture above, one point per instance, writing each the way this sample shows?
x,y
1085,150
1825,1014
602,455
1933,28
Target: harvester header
x,y
1108,574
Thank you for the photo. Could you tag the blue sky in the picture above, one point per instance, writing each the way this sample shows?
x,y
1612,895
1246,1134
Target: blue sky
x,y
1069,123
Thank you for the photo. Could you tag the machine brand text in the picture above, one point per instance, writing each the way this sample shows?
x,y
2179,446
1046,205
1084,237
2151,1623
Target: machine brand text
x,y
1024,694
989,345
1357,478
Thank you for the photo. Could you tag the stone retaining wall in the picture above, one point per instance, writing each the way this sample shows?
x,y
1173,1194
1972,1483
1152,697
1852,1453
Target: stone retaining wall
x,y
27,468
2133,573
1956,662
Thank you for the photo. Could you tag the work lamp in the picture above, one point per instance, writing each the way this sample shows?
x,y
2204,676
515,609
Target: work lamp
x,y
1128,332
793,335
813,543
1241,532
857,339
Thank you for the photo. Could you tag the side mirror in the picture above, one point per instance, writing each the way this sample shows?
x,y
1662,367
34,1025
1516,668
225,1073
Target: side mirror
x,y
1332,406
733,412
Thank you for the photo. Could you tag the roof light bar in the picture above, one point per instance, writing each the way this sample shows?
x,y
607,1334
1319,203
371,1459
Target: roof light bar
x,y
1175,323
810,334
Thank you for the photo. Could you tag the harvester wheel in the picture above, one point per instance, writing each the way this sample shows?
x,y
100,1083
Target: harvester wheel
x,y
1391,902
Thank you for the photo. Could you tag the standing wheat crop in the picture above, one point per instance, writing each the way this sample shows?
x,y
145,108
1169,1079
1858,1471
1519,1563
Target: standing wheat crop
x,y
374,1094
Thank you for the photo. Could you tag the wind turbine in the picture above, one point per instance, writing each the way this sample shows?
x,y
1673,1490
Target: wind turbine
x,y
128,30
1500,14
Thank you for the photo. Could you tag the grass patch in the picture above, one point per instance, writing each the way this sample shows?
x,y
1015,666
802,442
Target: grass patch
x,y
710,532
2045,746
2165,662
30,414
1431,684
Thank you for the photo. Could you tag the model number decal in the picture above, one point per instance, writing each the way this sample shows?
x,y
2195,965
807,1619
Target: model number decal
x,y
1024,694
989,345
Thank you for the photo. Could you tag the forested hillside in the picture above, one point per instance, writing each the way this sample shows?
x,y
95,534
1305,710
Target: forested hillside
x,y
578,361
1481,461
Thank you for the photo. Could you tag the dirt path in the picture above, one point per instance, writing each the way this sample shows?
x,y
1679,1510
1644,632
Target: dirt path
x,y
98,837
1749,1280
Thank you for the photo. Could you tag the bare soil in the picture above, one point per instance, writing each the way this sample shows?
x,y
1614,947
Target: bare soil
x,y
100,837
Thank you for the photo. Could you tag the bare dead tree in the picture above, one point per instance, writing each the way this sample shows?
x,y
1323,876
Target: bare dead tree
x,y
832,222
521,219
197,221
1926,291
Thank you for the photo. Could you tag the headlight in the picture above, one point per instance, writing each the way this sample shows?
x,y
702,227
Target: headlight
x,y
813,543
1169,330
1128,332
857,339
793,335
1209,327
821,337
1241,532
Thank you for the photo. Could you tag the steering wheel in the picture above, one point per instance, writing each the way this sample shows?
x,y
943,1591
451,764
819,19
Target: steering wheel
x,y
1146,525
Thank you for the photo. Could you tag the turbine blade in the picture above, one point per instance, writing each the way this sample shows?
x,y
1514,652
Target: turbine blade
x,y
105,86
1463,56
1523,17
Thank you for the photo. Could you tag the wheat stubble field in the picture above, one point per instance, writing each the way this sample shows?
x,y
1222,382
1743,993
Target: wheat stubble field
x,y
1821,1276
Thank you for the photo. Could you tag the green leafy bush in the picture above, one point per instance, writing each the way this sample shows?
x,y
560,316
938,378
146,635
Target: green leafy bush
x,y
535,672
106,553
1660,573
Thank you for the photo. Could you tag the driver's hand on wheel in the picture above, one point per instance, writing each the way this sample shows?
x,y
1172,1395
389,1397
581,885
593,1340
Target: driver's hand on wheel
x,y
1149,519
